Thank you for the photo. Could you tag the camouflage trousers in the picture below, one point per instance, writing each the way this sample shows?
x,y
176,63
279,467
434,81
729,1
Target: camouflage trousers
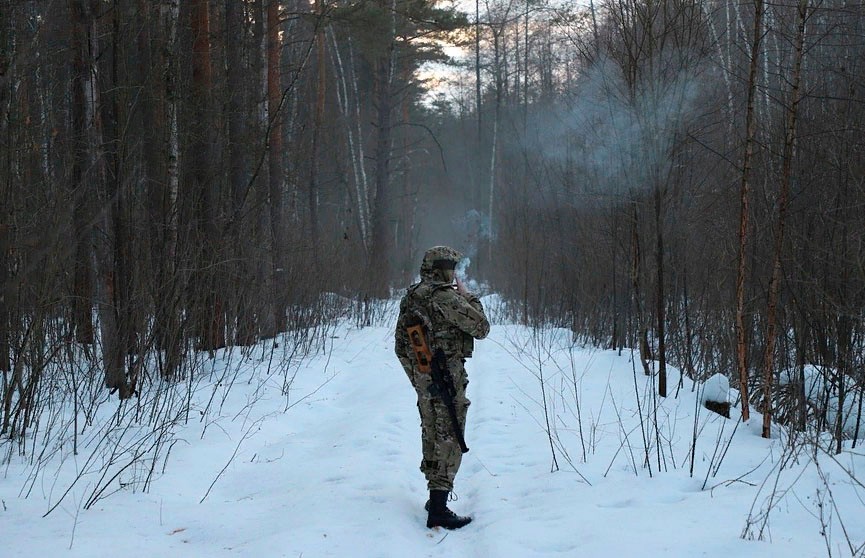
x,y
441,450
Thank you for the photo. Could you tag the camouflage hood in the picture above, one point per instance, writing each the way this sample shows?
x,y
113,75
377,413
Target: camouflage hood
x,y
435,260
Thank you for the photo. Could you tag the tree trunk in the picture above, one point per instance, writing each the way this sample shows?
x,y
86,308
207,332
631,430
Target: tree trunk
x,y
275,162
82,282
478,98
660,301
210,315
751,132
6,55
403,252
526,71
636,273
170,298
783,197
117,107
351,118
82,203
150,76
843,358
5,292
318,118
363,193
495,139
239,142
381,254
90,181
262,254
615,334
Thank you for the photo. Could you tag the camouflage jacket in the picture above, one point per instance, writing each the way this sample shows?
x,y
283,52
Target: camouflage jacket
x,y
451,321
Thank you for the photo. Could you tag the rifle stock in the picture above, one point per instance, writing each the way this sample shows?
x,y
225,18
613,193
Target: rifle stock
x,y
437,366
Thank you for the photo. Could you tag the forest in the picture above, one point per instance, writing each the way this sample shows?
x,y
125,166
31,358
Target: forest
x,y
681,177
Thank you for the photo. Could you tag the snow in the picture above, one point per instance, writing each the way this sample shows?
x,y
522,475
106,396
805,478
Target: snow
x,y
716,388
822,396
331,468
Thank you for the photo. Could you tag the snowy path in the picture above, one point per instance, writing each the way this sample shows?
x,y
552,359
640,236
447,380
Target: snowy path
x,y
337,474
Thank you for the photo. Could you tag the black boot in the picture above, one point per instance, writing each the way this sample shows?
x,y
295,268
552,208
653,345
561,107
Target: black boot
x,y
440,515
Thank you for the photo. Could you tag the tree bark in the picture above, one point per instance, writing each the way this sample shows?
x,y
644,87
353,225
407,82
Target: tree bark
x,y
239,141
82,285
170,299
382,244
783,199
744,197
210,316
120,147
6,55
478,98
660,303
351,117
642,329
90,181
5,293
261,250
82,289
275,163
318,118
499,85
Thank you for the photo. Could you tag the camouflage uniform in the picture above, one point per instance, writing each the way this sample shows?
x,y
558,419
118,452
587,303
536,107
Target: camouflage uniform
x,y
452,322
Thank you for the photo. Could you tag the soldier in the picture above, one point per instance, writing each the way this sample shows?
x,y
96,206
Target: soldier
x,y
452,319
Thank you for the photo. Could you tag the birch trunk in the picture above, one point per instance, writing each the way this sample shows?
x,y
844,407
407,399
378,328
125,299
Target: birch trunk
x,y
642,329
361,157
355,147
171,334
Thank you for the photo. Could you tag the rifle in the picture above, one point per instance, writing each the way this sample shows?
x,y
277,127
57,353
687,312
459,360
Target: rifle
x,y
437,366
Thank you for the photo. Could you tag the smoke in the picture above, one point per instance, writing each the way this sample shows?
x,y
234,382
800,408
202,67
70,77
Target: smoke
x,y
473,227
463,267
621,137
462,270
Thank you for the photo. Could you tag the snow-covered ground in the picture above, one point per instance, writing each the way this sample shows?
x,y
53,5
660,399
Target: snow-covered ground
x,y
336,474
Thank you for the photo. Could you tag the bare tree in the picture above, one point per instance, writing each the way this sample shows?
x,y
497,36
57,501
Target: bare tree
x,y
276,175
744,196
783,201
210,319
91,185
